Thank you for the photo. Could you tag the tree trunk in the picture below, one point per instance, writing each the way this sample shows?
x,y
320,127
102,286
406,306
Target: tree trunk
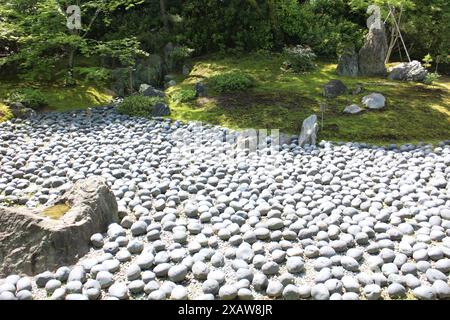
x,y
70,81
162,5
130,74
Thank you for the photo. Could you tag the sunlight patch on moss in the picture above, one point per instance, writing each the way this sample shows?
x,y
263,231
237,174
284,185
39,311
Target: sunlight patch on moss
x,y
56,211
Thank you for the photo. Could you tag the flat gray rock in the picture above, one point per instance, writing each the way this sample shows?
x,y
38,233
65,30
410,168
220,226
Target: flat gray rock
x,y
353,109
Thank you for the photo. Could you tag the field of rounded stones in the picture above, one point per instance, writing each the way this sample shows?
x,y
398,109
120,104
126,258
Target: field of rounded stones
x,y
199,220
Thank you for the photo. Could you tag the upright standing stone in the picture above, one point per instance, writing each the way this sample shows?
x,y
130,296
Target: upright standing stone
x,y
308,134
373,53
348,63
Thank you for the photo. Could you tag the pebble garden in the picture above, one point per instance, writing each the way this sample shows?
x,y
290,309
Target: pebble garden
x,y
338,221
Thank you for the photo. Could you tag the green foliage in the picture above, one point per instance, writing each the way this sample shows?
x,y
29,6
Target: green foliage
x,y
138,106
178,56
183,95
5,113
95,75
44,40
323,25
232,25
431,77
36,44
41,37
125,50
30,98
299,58
427,60
231,81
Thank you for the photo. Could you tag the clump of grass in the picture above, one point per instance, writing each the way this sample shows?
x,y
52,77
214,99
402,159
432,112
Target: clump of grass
x,y
231,81
183,95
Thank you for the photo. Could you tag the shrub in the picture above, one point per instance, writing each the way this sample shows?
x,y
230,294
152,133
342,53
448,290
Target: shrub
x,y
183,95
139,106
431,77
5,113
231,81
299,58
30,98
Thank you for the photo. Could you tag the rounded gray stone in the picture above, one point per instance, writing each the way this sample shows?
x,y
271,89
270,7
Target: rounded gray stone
x,y
228,292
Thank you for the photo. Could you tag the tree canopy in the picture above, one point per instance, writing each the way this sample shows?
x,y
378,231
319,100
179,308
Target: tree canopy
x,y
35,40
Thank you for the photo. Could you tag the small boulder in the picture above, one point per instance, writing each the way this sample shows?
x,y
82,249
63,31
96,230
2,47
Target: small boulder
x,y
334,88
186,70
374,101
20,111
160,110
148,91
353,109
171,83
200,89
411,71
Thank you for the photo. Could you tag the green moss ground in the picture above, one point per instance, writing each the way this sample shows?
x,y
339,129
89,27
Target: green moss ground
x,y
63,98
281,100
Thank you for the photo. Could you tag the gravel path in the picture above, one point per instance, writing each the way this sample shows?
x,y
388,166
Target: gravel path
x,y
204,221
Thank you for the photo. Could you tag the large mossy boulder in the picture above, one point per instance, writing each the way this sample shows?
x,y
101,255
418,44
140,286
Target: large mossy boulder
x,y
32,242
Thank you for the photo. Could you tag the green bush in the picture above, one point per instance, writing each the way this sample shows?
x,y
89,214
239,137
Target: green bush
x,y
300,58
138,106
183,95
5,113
30,98
231,81
431,77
